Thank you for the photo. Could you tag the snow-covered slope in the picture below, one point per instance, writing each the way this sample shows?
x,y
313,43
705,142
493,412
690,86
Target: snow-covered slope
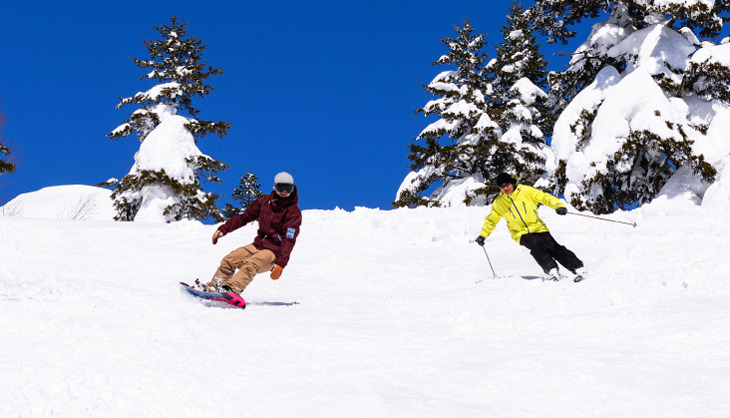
x,y
390,321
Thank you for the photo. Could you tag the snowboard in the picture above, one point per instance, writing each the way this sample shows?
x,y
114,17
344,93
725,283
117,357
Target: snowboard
x,y
228,297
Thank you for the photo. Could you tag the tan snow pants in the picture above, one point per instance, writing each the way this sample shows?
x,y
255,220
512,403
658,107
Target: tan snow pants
x,y
249,261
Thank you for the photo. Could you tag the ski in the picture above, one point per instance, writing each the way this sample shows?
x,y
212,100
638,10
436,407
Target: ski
x,y
228,297
509,276
576,279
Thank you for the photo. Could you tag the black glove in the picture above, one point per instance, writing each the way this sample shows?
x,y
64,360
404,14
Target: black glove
x,y
561,211
480,240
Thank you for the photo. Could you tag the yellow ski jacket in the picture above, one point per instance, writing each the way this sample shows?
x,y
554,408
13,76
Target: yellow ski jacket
x,y
519,209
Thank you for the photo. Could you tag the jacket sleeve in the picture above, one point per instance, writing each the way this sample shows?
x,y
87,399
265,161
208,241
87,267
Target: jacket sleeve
x,y
249,215
545,198
292,223
490,222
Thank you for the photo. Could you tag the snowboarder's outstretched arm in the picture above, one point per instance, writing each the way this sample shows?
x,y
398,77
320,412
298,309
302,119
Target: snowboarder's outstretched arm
x,y
237,221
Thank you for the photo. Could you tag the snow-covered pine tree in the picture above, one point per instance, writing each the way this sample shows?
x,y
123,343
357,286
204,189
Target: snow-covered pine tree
x,y
452,146
622,132
463,150
165,182
247,191
6,166
555,18
519,103
708,74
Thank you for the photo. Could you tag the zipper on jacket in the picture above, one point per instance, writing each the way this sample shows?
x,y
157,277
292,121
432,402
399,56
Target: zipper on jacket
x,y
518,213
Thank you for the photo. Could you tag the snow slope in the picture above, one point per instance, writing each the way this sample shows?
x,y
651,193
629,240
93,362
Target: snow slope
x,y
390,321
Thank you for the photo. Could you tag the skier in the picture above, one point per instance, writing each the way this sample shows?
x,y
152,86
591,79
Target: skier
x,y
279,219
517,204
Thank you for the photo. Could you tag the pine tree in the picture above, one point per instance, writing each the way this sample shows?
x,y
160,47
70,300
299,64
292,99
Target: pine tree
x,y
463,122
652,160
174,175
519,52
462,150
5,166
591,56
247,191
519,101
707,77
554,19
641,161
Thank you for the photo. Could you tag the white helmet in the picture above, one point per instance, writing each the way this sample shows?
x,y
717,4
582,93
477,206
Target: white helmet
x,y
284,183
283,178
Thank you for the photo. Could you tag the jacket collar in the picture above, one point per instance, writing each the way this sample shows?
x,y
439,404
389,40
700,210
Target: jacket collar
x,y
284,202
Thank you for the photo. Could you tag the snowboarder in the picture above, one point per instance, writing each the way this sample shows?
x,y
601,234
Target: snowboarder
x,y
279,219
517,204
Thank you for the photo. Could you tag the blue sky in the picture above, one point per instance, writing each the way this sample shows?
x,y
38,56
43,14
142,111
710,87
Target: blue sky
x,y
325,90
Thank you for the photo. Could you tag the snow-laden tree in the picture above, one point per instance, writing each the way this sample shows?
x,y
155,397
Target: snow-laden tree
x,y
6,166
518,55
165,182
631,116
450,150
480,131
248,190
518,104
557,18
708,72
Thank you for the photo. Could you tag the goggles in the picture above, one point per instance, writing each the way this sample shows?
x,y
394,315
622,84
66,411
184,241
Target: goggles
x,y
284,188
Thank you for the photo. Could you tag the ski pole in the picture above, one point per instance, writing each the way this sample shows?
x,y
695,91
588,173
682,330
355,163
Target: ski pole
x,y
494,275
603,219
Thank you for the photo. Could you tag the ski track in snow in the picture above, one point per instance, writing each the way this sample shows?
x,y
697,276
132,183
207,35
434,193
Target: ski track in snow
x,y
390,321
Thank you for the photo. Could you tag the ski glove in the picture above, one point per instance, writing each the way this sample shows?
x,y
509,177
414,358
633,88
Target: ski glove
x,y
480,240
561,211
217,234
276,271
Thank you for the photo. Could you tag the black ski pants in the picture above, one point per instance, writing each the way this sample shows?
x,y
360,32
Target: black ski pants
x,y
546,251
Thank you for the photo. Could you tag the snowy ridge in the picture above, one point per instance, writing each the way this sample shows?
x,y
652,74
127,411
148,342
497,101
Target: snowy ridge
x,y
389,321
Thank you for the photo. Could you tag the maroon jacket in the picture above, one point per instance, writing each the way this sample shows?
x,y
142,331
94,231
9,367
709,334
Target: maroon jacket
x,y
279,222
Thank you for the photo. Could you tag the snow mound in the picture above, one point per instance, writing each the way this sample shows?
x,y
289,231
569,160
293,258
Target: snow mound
x,y
73,202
